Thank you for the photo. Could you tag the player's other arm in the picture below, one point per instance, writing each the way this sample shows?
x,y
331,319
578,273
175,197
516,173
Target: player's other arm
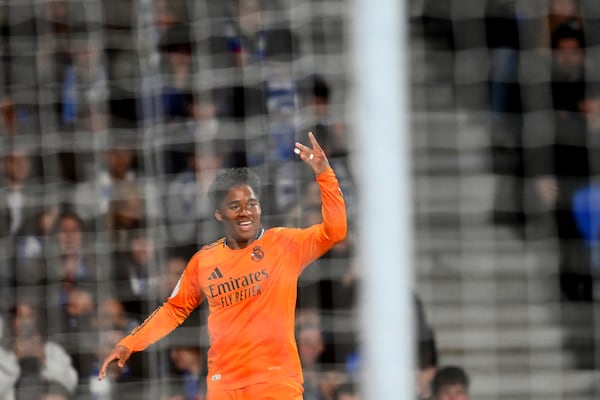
x,y
185,298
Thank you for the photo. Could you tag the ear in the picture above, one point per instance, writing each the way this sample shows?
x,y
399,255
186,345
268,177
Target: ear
x,y
218,215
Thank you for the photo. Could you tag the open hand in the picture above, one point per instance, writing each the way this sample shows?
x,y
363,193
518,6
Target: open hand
x,y
314,157
120,353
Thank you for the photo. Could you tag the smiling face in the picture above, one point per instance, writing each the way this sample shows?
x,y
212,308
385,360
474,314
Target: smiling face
x,y
240,212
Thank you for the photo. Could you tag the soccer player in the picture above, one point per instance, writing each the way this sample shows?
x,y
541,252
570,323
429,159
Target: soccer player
x,y
249,279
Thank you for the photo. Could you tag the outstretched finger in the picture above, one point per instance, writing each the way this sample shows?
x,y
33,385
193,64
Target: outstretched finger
x,y
313,141
105,364
302,147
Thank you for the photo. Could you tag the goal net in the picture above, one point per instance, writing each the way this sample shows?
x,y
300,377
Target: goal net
x,y
116,115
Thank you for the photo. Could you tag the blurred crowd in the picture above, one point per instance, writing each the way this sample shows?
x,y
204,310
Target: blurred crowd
x,y
115,117
539,85
545,103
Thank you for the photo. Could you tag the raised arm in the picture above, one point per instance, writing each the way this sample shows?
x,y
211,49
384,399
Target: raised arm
x,y
334,226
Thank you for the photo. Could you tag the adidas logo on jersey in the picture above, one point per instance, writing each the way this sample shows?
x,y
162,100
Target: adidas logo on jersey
x,y
215,274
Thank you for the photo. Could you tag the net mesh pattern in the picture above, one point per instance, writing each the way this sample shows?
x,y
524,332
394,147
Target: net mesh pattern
x,y
115,117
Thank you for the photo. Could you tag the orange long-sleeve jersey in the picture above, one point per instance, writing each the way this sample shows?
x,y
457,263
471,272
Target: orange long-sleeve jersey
x,y
251,294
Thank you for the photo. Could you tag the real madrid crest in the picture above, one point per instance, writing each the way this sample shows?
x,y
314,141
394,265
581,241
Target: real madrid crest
x,y
257,254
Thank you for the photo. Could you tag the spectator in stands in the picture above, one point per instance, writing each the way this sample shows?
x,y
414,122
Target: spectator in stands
x,y
39,56
80,312
75,263
31,247
426,351
120,23
451,383
188,363
555,178
119,382
331,379
19,204
126,215
67,261
559,35
248,38
7,117
322,371
113,316
205,124
135,275
507,32
187,358
50,265
261,51
427,367
314,98
174,267
53,391
17,196
176,49
503,32
84,84
35,361
127,87
9,368
561,13
78,331
168,13
170,39
568,68
94,118
315,94
199,133
16,119
117,17
590,107
77,165
188,214
92,197
346,391
310,343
